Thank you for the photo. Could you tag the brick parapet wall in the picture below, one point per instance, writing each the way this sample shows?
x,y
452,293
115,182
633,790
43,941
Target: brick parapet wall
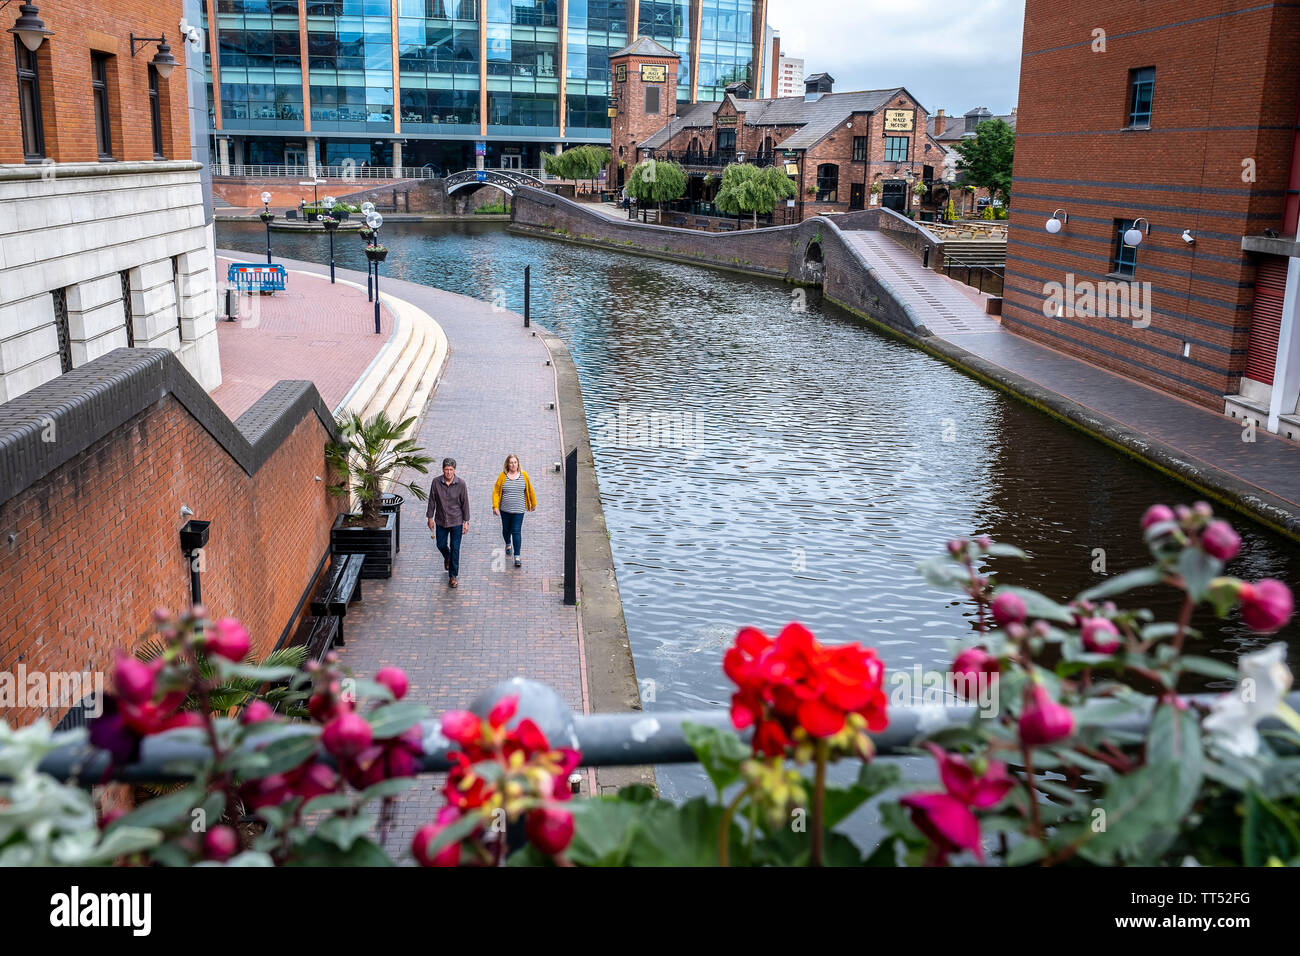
x,y
98,465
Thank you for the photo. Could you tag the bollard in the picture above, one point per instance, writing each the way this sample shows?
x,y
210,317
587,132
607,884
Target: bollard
x,y
528,271
925,258
571,528
230,308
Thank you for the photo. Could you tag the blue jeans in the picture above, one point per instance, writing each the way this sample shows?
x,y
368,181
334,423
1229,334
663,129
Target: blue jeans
x,y
449,545
512,527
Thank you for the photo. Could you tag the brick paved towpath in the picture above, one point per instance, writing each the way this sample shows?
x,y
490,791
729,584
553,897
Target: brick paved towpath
x,y
312,330
501,622
1205,448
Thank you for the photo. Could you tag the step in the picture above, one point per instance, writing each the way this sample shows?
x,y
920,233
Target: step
x,y
361,397
389,385
399,405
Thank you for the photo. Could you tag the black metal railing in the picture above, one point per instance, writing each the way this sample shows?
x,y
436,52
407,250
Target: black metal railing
x,y
636,738
711,160
975,274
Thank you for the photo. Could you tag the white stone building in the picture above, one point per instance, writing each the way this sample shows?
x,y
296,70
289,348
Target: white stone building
x,y
97,256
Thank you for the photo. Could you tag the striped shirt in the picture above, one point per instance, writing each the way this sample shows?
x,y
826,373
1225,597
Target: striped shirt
x,y
512,495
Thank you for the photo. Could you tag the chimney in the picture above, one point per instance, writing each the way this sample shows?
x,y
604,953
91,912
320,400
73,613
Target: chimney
x,y
816,85
776,63
940,123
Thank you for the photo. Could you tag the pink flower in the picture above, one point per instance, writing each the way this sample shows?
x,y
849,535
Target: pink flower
x,y
1045,721
1101,636
1218,540
549,830
460,727
220,843
228,639
960,781
346,735
134,680
973,668
1156,514
1008,608
948,823
1265,605
257,712
394,678
314,780
424,837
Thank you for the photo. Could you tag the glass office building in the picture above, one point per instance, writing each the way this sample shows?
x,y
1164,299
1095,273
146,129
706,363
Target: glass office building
x,y
421,82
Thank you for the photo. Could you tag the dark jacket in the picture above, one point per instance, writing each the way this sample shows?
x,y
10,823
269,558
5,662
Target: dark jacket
x,y
448,504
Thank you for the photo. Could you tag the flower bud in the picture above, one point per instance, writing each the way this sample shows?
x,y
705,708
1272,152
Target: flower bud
x,y
346,735
394,678
133,679
1155,514
1044,721
549,830
973,669
1218,540
1265,605
1101,636
257,712
957,547
220,843
1008,608
1202,509
228,639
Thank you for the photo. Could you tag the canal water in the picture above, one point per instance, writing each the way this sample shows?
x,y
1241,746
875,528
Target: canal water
x,y
764,457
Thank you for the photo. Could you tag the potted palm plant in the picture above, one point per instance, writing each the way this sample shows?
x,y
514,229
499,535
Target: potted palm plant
x,y
371,457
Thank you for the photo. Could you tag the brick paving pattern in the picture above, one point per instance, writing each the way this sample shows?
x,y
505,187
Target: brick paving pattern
x,y
312,330
501,622
1269,463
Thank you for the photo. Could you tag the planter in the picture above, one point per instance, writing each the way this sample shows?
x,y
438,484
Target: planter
x,y
266,216
342,215
366,233
379,545
376,255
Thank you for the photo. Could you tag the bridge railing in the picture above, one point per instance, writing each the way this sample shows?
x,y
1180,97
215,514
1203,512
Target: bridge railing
x,y
345,171
634,738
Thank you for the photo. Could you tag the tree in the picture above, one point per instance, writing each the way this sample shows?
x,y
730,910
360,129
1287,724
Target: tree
x,y
372,454
748,188
580,162
656,180
986,159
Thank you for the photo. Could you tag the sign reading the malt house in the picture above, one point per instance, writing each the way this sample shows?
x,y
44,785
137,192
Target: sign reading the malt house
x,y
899,121
726,119
653,74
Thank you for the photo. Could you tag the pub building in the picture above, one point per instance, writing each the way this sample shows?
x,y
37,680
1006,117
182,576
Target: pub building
x,y
845,151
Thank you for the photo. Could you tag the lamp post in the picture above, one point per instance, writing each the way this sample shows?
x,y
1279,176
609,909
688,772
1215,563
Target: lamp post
x,y
330,224
368,210
374,221
267,216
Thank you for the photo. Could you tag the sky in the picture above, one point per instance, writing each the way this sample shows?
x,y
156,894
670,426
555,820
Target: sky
x,y
950,54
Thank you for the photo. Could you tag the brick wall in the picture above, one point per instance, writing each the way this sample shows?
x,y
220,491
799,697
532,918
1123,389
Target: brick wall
x,y
63,65
1226,80
631,124
93,546
246,191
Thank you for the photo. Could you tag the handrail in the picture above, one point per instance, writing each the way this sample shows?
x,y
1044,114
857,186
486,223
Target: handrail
x,y
997,271
344,171
634,738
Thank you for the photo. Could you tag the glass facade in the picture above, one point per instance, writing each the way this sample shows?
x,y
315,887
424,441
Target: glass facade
x,y
418,70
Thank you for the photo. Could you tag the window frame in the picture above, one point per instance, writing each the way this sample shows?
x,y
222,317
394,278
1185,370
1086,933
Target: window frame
x,y
891,143
1123,256
29,76
1137,80
103,116
155,113
859,149
824,194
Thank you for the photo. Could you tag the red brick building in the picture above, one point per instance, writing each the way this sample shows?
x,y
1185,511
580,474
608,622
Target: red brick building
x,y
1173,123
845,151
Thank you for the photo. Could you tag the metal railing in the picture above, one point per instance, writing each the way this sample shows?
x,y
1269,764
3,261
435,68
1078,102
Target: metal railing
x,y
636,738
978,272
713,160
345,171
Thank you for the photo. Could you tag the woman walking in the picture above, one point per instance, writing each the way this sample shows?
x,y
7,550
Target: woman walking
x,y
512,495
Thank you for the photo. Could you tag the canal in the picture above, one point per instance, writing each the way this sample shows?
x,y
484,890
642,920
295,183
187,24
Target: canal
x,y
765,457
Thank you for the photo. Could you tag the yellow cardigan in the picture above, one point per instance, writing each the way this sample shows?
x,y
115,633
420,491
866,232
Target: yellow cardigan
x,y
530,499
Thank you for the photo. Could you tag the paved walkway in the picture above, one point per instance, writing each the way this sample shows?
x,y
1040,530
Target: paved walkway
x,y
501,622
312,330
1204,437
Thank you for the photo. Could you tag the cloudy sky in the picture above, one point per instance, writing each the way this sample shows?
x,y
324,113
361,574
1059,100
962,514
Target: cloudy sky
x,y
956,55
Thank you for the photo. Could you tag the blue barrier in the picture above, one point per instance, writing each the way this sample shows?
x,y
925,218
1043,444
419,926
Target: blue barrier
x,y
255,277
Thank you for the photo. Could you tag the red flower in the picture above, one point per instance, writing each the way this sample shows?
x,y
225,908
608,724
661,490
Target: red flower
x,y
1045,721
793,682
1265,605
960,781
447,856
549,830
946,822
229,640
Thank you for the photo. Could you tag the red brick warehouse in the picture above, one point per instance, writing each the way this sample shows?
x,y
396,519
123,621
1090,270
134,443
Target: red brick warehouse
x,y
1178,118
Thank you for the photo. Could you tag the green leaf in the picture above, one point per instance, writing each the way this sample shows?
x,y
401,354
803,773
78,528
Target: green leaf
x,y
319,852
252,672
942,573
604,828
328,801
1198,570
1267,831
119,841
1123,583
668,835
1223,595
284,754
1028,850
162,811
1005,551
637,793
344,831
720,752
1207,666
1136,806
389,720
1175,738
387,788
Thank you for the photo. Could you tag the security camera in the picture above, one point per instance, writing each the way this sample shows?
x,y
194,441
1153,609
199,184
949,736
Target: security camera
x,y
1188,237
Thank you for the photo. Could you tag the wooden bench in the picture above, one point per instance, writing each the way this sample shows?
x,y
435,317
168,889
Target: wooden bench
x,y
324,629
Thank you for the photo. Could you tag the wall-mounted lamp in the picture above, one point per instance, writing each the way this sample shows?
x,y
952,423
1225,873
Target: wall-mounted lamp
x,y
194,537
162,61
1059,219
1188,237
1133,236
29,27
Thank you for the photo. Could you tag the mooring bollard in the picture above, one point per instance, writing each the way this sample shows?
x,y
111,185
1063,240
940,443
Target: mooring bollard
x,y
571,528
528,272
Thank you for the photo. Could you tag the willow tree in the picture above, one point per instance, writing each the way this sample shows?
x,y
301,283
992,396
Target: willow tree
x,y
580,162
657,181
751,189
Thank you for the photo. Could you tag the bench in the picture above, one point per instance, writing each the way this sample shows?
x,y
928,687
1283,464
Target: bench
x,y
255,277
324,629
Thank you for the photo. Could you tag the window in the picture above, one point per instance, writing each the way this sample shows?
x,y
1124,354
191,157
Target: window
x,y
1142,84
828,181
155,115
61,328
178,282
103,121
896,149
1124,261
29,103
126,307
652,99
859,149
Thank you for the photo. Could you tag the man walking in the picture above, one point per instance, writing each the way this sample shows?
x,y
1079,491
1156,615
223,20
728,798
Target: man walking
x,y
448,515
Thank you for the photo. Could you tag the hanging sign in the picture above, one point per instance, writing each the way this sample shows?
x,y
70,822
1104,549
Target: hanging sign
x,y
650,73
728,119
620,73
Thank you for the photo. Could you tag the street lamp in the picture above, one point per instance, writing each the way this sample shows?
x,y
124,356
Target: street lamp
x,y
368,210
1133,236
162,61
330,224
374,221
267,216
1059,219
29,27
